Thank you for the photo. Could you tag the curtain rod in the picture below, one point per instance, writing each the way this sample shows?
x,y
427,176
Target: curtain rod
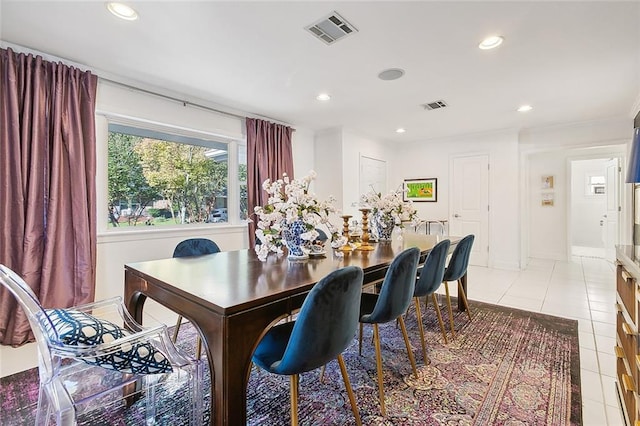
x,y
99,73
193,104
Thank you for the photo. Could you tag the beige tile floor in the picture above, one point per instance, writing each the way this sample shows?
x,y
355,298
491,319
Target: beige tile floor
x,y
582,288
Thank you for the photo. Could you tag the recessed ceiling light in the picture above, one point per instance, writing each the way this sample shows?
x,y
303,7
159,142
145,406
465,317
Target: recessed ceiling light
x,y
491,42
122,11
525,108
323,97
391,74
400,130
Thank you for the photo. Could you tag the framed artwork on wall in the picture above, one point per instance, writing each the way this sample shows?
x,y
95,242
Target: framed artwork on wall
x,y
547,182
421,189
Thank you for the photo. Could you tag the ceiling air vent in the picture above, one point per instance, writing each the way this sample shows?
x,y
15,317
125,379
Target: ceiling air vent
x,y
331,28
435,105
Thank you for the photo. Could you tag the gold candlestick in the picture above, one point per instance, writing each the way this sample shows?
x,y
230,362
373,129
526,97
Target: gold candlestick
x,y
365,246
345,233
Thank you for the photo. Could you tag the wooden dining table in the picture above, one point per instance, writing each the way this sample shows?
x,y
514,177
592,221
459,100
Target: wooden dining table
x,y
232,298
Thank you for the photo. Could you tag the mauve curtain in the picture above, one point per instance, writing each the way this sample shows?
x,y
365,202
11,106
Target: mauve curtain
x,y
269,155
47,181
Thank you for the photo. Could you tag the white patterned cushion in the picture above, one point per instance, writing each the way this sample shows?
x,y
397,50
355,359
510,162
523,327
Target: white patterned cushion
x,y
81,329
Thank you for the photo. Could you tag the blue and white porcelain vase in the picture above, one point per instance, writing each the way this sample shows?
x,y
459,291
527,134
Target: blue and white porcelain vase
x,y
291,233
383,226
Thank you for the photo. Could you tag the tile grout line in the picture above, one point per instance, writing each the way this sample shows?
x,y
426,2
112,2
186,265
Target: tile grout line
x,y
593,332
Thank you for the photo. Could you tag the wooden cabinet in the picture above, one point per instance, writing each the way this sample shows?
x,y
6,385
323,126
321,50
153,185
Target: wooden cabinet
x,y
627,350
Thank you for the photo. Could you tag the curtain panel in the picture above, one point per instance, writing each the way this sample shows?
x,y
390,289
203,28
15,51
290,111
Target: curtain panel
x,y
47,185
269,155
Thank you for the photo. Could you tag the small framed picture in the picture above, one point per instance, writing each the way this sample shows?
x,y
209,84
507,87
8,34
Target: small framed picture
x,y
421,189
547,199
547,182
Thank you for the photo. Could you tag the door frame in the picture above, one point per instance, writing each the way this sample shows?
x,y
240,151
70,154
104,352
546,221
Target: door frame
x,y
616,148
620,190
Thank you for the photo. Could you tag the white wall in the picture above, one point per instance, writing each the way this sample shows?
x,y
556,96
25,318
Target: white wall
x,y
118,247
302,142
587,209
548,224
549,232
353,146
431,159
328,164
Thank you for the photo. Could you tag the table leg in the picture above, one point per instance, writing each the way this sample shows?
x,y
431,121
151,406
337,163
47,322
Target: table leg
x,y
228,340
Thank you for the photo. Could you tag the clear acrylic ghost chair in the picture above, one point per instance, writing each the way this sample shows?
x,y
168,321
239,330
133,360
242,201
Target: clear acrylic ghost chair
x,y
101,383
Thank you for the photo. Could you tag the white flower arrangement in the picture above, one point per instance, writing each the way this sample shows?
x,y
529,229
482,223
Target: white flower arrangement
x,y
391,207
290,200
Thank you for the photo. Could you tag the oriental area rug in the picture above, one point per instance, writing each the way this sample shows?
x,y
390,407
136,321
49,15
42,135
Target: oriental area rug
x,y
506,367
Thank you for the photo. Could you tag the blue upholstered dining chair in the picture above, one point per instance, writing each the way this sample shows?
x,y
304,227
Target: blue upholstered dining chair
x,y
193,247
325,326
322,236
91,356
431,275
456,269
389,305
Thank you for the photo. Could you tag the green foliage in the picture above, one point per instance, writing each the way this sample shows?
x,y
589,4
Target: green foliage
x,y
142,170
126,180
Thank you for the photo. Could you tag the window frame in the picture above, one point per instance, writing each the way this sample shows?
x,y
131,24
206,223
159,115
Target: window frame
x,y
233,183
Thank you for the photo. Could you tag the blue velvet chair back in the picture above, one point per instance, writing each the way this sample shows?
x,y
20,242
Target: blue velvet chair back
x,y
322,236
326,324
459,259
195,247
397,288
433,270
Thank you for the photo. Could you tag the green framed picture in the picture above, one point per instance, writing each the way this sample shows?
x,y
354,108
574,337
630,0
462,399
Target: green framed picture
x,y
421,189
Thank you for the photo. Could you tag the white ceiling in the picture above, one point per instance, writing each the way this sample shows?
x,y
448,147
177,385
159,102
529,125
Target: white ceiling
x,y
573,61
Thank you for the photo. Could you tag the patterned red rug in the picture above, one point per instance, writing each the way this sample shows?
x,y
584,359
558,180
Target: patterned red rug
x,y
506,367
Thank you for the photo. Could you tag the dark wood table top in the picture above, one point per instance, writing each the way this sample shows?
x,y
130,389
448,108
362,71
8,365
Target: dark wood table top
x,y
229,282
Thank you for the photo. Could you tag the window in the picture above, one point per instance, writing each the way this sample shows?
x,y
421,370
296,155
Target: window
x,y
595,185
242,179
162,179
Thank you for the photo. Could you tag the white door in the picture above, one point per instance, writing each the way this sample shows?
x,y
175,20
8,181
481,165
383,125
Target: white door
x,y
611,217
373,175
469,205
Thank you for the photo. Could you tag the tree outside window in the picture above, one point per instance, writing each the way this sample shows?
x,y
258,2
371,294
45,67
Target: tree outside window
x,y
157,179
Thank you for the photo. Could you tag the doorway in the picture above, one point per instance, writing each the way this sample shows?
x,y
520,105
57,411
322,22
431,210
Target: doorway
x,y
594,207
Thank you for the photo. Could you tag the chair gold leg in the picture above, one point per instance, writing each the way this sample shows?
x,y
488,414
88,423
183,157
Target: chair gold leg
x,y
409,351
177,329
322,373
376,340
294,399
442,329
446,289
464,299
421,329
347,384
360,341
